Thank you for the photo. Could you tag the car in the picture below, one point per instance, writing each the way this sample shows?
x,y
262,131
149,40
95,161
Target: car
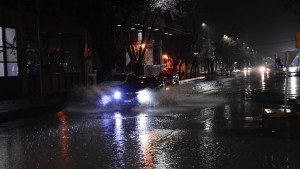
x,y
119,88
265,68
152,82
169,77
247,68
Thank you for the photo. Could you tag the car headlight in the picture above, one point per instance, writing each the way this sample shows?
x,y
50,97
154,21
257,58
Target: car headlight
x,y
117,95
262,69
144,96
105,100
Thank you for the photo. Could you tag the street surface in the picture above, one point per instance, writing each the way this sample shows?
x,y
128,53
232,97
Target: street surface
x,y
207,124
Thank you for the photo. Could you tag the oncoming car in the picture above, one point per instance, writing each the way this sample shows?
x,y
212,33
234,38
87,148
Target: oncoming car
x,y
123,90
265,68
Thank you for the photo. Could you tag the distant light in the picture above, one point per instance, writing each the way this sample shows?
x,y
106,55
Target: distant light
x,y
156,29
119,25
170,34
140,30
203,24
149,27
166,33
132,29
137,24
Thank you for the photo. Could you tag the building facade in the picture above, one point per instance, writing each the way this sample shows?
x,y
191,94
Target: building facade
x,y
40,52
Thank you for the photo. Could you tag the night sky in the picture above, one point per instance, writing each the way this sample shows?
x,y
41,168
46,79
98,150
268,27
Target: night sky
x,y
266,25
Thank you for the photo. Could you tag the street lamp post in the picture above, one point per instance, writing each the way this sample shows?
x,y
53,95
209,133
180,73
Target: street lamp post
x,y
204,26
210,66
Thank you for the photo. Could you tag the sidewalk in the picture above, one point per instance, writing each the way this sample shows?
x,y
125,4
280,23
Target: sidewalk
x,y
26,107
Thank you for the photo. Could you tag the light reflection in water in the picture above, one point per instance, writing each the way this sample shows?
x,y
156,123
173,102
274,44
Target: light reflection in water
x,y
247,79
294,85
263,82
145,139
119,137
64,148
208,125
227,111
142,126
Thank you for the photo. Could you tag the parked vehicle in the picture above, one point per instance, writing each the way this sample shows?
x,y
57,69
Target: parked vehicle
x,y
169,77
152,82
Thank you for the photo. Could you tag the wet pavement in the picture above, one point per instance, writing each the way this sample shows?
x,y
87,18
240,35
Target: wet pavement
x,y
203,124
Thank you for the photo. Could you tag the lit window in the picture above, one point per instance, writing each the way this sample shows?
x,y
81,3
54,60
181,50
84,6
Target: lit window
x,y
8,52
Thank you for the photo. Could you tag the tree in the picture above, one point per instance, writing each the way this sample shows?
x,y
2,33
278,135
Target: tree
x,y
230,50
110,42
142,17
187,14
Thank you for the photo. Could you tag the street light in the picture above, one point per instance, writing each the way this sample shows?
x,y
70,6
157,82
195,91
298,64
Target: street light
x,y
204,25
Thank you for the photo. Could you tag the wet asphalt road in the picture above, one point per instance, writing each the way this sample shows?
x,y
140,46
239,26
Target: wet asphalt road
x,y
214,124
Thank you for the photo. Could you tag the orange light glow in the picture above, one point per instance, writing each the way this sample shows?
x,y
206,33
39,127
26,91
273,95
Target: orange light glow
x,y
143,45
64,148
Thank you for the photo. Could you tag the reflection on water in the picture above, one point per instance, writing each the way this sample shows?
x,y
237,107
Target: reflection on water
x,y
265,76
145,139
119,138
64,148
263,83
294,85
208,125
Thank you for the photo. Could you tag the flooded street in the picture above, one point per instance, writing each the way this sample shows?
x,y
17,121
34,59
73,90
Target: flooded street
x,y
207,124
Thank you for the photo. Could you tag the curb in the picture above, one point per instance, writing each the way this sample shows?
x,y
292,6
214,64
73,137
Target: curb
x,y
29,111
193,79
279,112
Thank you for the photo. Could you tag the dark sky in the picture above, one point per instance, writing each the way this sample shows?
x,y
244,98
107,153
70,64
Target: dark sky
x,y
264,24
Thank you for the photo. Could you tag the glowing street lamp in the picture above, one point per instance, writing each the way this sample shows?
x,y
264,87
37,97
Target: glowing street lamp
x,y
165,58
